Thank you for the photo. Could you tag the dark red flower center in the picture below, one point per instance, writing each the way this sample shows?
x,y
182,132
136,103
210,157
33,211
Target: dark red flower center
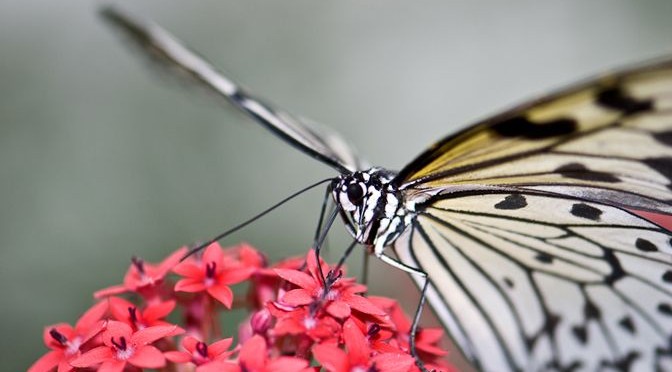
x,y
121,345
133,314
58,336
333,277
373,330
210,268
202,349
139,264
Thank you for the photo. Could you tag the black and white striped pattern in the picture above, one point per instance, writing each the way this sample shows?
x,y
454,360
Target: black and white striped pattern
x,y
529,282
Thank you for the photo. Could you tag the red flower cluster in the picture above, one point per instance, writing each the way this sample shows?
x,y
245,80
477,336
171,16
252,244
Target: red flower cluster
x,y
296,322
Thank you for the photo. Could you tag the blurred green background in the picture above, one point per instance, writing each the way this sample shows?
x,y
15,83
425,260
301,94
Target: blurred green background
x,y
100,160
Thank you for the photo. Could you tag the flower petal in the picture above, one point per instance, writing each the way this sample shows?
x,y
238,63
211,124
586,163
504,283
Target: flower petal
x,y
286,364
222,293
311,262
189,343
221,346
170,262
188,269
431,335
236,275
213,253
177,356
338,309
297,297
93,357
64,329
112,365
253,354
356,343
288,325
363,305
331,358
100,326
116,330
47,362
158,310
250,257
119,308
218,366
427,340
189,285
91,317
151,334
110,291
393,362
147,357
297,277
64,366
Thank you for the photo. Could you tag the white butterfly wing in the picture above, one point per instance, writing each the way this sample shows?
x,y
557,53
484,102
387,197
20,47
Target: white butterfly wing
x,y
523,229
531,282
608,139
163,48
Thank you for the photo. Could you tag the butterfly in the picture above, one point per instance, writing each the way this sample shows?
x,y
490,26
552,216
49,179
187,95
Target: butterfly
x,y
522,230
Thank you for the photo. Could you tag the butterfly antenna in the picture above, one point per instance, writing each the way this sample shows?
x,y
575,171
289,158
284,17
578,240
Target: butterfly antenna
x,y
320,240
258,216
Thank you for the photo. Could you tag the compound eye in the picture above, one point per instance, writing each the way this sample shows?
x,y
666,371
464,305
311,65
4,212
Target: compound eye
x,y
355,193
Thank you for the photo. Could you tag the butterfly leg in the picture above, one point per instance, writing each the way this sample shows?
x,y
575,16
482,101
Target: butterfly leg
x,y
323,212
418,311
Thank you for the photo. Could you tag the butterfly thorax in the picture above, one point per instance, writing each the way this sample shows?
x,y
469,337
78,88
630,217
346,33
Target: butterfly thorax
x,y
372,208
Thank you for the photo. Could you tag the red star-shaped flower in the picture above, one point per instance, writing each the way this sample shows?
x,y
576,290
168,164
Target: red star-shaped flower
x,y
426,339
142,277
359,356
123,346
205,357
66,342
213,274
341,298
254,357
152,315
301,322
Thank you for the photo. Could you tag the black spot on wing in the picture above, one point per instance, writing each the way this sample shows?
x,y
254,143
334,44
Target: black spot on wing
x,y
580,172
617,273
238,96
663,137
624,363
522,127
508,282
544,257
645,245
590,311
581,334
665,309
667,277
571,366
617,99
513,201
627,324
586,211
663,166
548,329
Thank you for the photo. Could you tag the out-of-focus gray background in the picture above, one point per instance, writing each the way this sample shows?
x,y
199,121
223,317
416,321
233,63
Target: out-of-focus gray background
x,y
100,160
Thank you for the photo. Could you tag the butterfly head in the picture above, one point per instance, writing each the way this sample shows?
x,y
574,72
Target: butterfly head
x,y
369,204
